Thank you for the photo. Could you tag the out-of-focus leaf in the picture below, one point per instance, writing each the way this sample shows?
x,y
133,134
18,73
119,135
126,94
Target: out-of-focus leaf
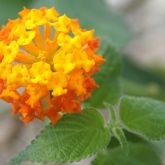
x,y
131,87
141,81
93,14
132,71
108,78
9,9
135,154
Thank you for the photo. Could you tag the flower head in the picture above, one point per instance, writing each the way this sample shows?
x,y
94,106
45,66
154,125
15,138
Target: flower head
x,y
46,64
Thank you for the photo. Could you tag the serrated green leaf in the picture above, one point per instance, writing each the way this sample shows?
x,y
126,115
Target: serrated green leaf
x,y
136,154
93,14
143,116
75,137
108,78
9,9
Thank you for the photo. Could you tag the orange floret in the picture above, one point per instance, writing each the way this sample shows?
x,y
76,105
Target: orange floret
x,y
46,64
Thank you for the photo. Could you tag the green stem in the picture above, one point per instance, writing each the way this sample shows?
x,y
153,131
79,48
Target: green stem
x,y
114,125
119,134
112,114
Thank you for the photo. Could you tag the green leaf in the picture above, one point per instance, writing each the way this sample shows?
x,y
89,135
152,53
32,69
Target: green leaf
x,y
93,14
75,137
136,154
9,9
108,78
143,116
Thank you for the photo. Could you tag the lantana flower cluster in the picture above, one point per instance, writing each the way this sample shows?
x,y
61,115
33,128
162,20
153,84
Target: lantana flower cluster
x,y
46,64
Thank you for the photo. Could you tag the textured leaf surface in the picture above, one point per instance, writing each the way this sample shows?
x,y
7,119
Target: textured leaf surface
x,y
75,137
93,14
143,116
108,78
136,154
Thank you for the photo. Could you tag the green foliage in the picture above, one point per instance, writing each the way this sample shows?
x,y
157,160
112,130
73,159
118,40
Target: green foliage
x,y
133,71
107,78
131,87
120,136
143,116
130,137
140,81
93,14
135,154
10,8
75,137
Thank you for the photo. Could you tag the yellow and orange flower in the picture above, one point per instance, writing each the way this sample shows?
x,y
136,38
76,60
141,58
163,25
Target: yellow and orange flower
x,y
46,64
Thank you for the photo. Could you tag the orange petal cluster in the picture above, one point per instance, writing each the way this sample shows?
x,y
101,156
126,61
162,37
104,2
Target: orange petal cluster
x,y
46,64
